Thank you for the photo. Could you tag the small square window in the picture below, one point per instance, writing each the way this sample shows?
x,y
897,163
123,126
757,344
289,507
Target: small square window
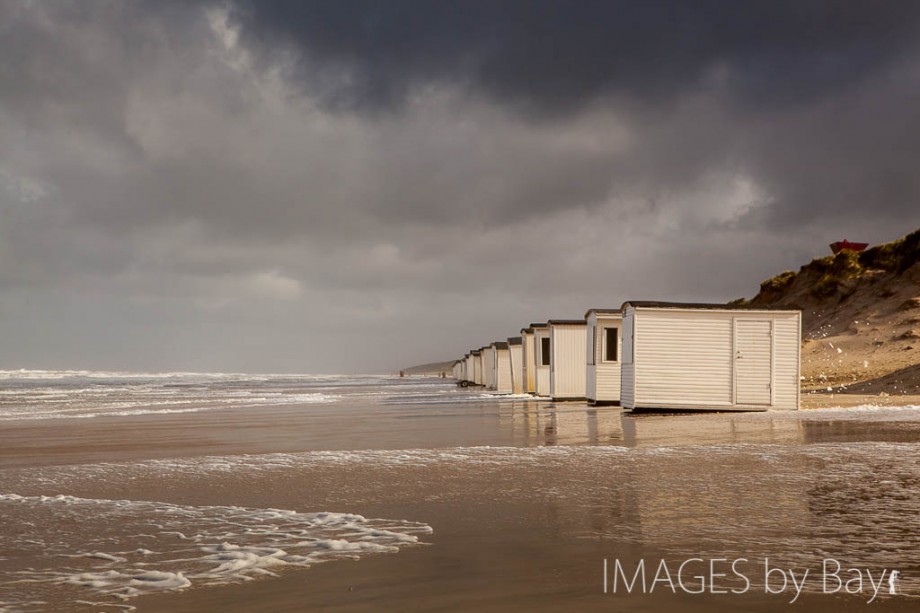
x,y
610,344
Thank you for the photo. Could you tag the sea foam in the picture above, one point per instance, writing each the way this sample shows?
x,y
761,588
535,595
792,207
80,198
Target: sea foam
x,y
121,549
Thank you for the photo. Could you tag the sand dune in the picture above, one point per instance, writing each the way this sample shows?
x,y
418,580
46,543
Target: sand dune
x,y
860,318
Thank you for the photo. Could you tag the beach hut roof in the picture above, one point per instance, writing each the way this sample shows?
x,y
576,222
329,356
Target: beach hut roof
x,y
514,340
653,304
602,312
567,322
500,345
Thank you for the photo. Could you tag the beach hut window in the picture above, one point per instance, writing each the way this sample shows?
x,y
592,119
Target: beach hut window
x,y
544,351
610,344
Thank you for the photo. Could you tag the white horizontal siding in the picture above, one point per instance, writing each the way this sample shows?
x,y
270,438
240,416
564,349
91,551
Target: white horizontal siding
x,y
591,382
590,323
488,367
528,363
608,382
682,357
627,367
517,354
689,358
627,397
628,334
590,368
567,377
503,370
786,361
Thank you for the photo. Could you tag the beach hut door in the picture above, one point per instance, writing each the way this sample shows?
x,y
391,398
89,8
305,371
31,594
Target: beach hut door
x,y
753,362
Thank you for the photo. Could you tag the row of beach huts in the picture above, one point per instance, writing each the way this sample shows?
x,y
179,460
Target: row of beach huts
x,y
651,355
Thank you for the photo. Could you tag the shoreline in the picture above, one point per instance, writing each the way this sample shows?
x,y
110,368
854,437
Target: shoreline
x,y
525,498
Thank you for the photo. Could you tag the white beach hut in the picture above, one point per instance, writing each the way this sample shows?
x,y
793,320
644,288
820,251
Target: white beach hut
x,y
528,365
476,359
455,370
602,340
516,351
488,366
541,359
567,359
710,357
502,367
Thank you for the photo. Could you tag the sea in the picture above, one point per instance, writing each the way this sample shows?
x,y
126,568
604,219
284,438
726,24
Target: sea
x,y
128,491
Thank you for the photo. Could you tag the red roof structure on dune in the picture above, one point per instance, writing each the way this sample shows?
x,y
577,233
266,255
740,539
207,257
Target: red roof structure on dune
x,y
846,245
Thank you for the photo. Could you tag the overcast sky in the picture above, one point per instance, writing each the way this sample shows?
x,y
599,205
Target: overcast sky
x,y
356,186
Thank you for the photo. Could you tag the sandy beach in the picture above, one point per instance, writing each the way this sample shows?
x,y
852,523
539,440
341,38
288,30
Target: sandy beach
x,y
826,400
468,501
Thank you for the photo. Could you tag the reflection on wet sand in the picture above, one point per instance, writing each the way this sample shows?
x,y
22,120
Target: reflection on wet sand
x,y
542,424
651,430
539,424
533,424
580,426
525,499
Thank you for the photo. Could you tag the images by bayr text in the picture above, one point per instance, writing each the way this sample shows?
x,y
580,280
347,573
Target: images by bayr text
x,y
741,576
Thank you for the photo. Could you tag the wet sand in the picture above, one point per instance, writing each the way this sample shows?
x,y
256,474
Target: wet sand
x,y
526,499
826,400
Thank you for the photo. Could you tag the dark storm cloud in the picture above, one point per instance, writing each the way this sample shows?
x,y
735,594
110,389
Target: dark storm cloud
x,y
321,186
797,92
553,56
